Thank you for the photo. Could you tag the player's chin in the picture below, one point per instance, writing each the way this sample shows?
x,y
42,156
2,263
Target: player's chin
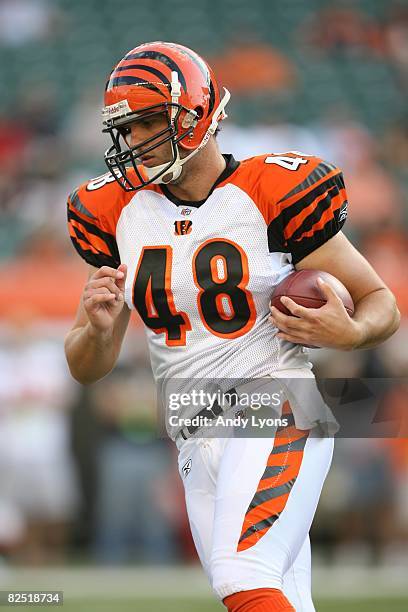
x,y
149,161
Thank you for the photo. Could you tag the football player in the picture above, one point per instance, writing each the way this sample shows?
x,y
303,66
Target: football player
x,y
195,241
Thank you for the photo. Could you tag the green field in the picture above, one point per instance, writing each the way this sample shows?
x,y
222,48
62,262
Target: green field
x,y
185,589
204,605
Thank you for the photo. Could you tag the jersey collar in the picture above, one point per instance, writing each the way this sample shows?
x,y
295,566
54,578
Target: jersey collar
x,y
231,165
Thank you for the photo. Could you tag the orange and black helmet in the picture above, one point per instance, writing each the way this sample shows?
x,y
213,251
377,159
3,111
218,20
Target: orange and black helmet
x,y
167,78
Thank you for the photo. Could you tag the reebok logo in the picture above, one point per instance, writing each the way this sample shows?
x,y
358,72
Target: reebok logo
x,y
343,212
186,469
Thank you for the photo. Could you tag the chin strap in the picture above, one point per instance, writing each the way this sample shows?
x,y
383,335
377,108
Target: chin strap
x,y
174,171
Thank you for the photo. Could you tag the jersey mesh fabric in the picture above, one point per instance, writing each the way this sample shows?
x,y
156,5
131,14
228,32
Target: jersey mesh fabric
x,y
240,212
206,360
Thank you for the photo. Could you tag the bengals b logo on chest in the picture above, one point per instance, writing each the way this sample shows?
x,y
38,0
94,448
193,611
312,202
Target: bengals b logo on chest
x,y
182,227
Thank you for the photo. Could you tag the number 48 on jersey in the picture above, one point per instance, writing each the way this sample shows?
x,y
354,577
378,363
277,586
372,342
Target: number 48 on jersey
x,y
220,272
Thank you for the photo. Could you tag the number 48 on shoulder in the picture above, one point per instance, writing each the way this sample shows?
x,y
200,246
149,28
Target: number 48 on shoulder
x,y
289,163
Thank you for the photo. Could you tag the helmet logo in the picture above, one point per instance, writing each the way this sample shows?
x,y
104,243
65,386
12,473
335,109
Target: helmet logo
x,y
116,110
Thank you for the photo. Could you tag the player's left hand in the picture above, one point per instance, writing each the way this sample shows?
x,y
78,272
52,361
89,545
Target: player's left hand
x,y
329,326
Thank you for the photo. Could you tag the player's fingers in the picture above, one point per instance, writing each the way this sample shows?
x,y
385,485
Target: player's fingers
x,y
90,291
286,322
328,291
107,271
99,298
121,281
295,339
296,309
288,337
288,329
105,281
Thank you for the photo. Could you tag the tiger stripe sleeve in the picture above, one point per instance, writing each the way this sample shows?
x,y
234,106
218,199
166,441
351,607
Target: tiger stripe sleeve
x,y
310,214
93,243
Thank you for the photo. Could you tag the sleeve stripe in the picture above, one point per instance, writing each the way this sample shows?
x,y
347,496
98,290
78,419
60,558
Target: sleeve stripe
x,y
93,229
297,221
308,245
332,204
298,227
276,240
97,260
97,243
323,171
90,227
77,204
81,215
82,241
327,216
292,207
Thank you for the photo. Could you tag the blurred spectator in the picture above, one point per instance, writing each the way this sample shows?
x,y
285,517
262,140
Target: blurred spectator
x,y
247,141
360,499
343,140
375,197
136,517
85,142
393,356
37,108
396,403
387,251
37,477
24,21
249,68
344,29
395,154
396,38
396,145
15,138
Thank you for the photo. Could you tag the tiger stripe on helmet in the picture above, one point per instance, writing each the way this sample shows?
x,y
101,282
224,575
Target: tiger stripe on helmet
x,y
204,71
150,69
197,60
132,80
162,58
212,99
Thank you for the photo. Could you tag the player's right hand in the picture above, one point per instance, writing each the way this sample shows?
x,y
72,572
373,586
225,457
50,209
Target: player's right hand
x,y
103,297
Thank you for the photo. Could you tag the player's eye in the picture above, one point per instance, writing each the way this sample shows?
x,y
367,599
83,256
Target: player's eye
x,y
146,123
124,131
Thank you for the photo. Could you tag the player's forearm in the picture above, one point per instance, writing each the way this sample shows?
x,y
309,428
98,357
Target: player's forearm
x,y
91,355
378,318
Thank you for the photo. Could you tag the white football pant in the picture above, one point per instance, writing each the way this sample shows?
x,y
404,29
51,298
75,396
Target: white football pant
x,y
250,503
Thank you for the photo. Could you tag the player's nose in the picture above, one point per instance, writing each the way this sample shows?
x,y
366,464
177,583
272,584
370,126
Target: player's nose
x,y
134,135
138,134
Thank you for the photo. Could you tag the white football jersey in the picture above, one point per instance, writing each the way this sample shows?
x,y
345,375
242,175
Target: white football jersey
x,y
201,274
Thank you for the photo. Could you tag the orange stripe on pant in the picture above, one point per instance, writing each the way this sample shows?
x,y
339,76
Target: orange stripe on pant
x,y
275,485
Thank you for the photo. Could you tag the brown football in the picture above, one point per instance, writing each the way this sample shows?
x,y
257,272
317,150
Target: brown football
x,y
303,289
